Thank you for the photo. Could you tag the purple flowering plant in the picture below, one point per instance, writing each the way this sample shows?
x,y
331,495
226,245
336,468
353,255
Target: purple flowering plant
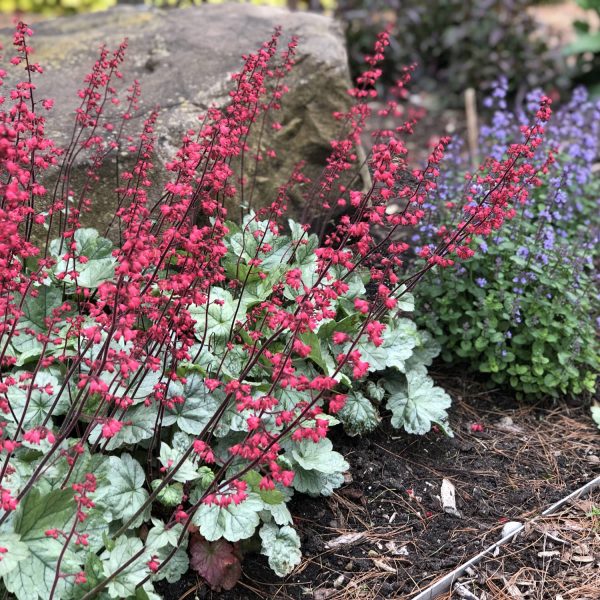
x,y
524,309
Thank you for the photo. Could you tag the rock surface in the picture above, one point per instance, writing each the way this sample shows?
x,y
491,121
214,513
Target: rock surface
x,y
184,59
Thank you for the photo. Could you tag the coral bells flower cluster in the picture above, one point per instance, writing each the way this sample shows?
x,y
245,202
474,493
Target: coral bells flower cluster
x,y
211,352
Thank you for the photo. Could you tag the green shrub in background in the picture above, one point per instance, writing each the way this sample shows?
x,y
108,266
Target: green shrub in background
x,y
525,310
457,43
585,48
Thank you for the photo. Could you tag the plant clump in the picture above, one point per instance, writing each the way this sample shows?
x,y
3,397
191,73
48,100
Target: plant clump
x,y
164,395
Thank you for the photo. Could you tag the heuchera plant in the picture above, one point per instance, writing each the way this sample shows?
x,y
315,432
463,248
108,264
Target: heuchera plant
x,y
525,308
183,380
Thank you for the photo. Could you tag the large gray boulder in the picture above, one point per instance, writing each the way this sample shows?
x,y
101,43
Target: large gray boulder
x,y
183,60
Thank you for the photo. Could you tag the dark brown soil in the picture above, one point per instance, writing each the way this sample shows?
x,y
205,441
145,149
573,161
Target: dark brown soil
x,y
525,459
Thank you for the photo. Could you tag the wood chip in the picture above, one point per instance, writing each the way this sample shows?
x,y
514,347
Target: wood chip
x,y
548,553
345,540
582,559
381,564
448,497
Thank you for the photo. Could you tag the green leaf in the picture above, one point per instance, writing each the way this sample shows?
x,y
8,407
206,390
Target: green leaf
x,y
199,407
139,423
253,479
38,513
319,457
176,567
40,403
217,319
425,351
126,493
416,403
169,457
584,42
123,585
37,309
100,265
15,552
359,415
282,547
279,512
171,495
160,536
233,522
33,578
315,483
399,339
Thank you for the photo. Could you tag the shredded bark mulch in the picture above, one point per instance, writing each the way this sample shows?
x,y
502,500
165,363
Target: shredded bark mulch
x,y
385,533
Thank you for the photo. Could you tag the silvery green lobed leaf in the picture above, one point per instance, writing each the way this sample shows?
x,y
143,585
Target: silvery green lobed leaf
x,y
233,522
595,409
125,493
39,404
176,567
315,483
169,457
139,424
375,391
124,584
358,415
100,265
282,547
399,339
425,351
318,457
15,552
280,513
199,406
416,403
33,578
160,536
216,317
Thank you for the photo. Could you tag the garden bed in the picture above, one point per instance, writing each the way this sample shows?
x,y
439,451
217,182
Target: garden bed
x,y
400,539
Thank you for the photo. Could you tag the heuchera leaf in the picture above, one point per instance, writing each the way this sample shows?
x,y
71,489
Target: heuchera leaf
x,y
315,483
126,493
282,547
399,339
216,319
171,495
39,403
100,265
359,415
233,522
319,457
13,551
33,578
124,584
416,403
195,412
217,562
